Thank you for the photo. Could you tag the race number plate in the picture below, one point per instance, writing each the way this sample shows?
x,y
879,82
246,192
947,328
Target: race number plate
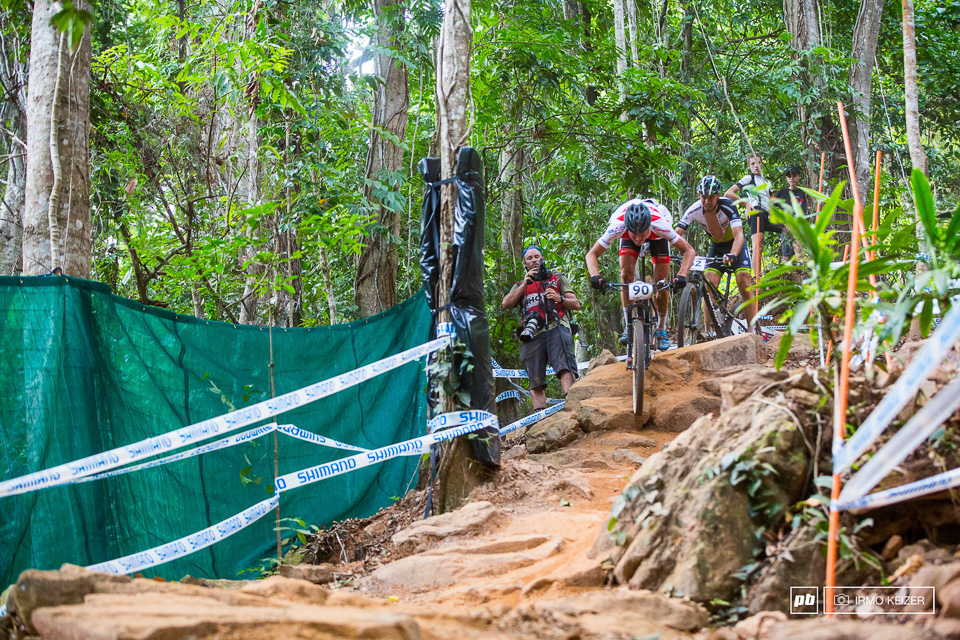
x,y
641,290
699,264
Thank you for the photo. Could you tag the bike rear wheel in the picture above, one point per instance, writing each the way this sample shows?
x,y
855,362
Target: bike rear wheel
x,y
639,364
692,327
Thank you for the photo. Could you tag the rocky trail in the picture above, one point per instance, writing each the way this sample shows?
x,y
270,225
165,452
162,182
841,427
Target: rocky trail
x,y
599,525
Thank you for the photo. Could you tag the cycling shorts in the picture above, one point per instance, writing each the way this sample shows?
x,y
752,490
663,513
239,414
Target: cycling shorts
x,y
760,218
659,249
743,263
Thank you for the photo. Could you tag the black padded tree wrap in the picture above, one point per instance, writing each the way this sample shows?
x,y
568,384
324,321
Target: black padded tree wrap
x,y
467,309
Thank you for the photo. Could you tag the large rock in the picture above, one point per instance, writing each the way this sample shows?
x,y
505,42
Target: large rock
x,y
683,522
606,357
737,388
839,629
623,612
675,412
150,615
610,414
447,565
552,433
612,381
726,352
467,519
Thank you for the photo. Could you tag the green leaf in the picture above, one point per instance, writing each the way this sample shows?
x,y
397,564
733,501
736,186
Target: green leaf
x,y
785,341
71,22
923,201
926,318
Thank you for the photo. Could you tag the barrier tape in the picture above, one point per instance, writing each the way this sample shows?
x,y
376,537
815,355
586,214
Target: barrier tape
x,y
532,418
940,482
240,438
446,329
933,414
500,372
91,465
308,436
189,544
416,446
897,397
523,393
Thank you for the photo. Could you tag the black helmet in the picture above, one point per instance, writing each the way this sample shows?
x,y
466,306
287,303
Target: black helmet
x,y
794,169
637,218
709,185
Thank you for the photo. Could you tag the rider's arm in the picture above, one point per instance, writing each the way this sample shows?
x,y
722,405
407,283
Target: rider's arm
x,y
737,240
593,259
732,191
689,253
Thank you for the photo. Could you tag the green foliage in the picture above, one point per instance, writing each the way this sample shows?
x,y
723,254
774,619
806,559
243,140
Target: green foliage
x,y
819,296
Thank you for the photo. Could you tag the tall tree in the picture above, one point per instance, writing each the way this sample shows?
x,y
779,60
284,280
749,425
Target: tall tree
x,y
56,218
376,283
865,35
917,155
13,118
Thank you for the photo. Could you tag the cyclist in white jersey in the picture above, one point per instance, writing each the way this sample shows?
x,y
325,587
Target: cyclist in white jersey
x,y
635,222
727,243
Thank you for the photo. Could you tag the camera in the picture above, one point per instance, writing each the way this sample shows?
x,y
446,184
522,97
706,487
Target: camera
x,y
543,274
530,325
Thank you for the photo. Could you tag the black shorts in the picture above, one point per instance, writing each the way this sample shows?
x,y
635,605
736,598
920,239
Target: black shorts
x,y
719,249
554,346
761,218
659,249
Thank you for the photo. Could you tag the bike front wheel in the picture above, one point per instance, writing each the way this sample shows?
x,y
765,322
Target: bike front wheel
x,y
639,365
692,327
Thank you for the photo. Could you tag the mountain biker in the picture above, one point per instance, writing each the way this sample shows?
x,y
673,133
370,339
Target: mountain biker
x,y
635,222
720,218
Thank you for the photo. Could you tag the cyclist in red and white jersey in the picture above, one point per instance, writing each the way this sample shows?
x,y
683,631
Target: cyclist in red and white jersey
x,y
635,222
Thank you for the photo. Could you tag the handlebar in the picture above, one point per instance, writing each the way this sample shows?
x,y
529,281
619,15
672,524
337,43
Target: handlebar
x,y
657,286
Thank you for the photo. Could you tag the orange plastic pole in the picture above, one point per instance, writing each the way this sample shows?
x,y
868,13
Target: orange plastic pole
x,y
756,252
823,160
840,401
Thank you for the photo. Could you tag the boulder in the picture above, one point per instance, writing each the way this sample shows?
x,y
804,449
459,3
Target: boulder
x,y
735,389
675,412
150,615
554,432
666,371
612,381
839,629
35,589
447,565
617,611
314,573
630,440
801,349
716,355
759,625
626,456
605,358
610,414
467,519
697,535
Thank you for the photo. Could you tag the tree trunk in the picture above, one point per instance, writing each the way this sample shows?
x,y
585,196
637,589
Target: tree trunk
x,y
248,304
376,283
511,206
917,155
328,285
11,207
66,153
865,35
630,9
459,474
620,37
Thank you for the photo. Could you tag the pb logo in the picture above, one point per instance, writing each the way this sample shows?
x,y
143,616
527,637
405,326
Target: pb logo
x,y
804,601
800,600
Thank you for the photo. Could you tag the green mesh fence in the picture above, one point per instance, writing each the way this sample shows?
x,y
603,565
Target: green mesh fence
x,y
83,371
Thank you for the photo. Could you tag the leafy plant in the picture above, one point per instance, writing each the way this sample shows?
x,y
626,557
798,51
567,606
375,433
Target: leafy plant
x,y
820,293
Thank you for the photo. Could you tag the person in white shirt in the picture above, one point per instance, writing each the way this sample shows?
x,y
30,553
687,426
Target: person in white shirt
x,y
756,199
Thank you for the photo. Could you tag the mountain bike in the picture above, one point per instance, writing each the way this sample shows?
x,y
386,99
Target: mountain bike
x,y
720,319
641,322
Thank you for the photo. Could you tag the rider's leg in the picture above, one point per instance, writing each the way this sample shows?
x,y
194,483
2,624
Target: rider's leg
x,y
628,265
538,396
744,283
661,271
713,277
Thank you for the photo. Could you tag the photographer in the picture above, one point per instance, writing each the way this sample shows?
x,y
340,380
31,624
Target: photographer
x,y
546,300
